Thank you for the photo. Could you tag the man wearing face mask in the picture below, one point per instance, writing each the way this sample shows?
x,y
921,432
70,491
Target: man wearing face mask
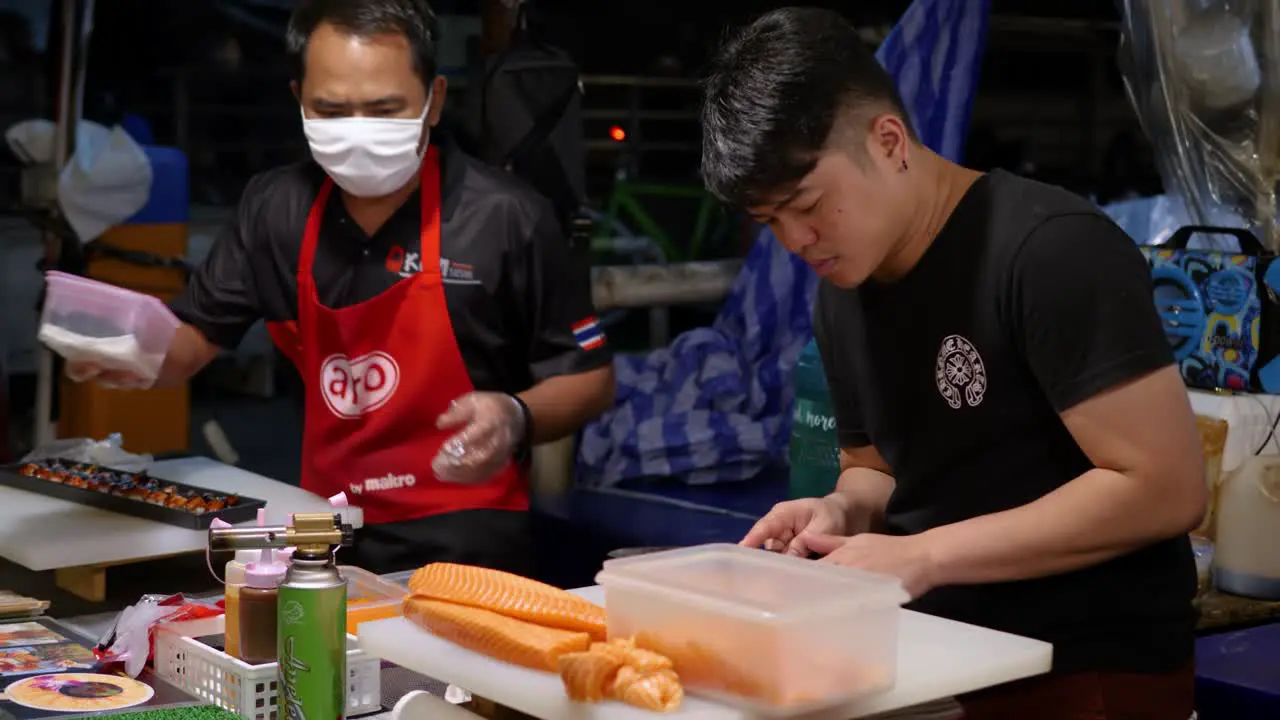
x,y
430,302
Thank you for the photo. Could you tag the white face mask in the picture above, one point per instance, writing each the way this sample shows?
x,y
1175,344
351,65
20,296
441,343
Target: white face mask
x,y
368,157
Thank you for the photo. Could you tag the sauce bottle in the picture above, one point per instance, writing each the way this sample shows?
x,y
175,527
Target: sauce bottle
x,y
258,605
235,576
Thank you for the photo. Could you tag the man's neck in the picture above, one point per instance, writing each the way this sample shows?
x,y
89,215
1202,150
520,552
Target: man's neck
x,y
940,186
372,213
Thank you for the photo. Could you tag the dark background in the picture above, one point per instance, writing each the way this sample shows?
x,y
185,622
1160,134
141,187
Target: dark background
x,y
209,76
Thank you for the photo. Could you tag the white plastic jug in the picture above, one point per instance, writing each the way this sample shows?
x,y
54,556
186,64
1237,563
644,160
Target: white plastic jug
x,y
1247,548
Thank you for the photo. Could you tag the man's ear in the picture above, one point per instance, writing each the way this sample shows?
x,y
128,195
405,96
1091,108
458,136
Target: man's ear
x,y
297,91
439,88
888,143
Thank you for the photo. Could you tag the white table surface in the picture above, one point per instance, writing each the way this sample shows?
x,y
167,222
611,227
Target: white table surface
x,y
44,533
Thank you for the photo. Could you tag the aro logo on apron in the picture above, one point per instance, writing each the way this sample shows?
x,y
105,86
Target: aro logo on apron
x,y
353,387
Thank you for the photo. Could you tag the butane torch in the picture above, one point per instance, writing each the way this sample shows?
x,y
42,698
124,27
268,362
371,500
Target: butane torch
x,y
312,623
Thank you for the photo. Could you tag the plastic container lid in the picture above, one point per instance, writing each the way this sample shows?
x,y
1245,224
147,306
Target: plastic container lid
x,y
752,584
266,573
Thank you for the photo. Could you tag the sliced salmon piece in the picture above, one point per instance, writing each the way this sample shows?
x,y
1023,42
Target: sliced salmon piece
x,y
496,636
658,691
699,666
588,676
621,671
511,595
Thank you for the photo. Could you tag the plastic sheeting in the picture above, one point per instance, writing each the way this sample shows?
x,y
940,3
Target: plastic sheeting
x,y
104,183
1204,78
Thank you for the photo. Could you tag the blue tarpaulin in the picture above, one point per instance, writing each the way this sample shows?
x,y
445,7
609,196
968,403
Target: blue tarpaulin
x,y
715,406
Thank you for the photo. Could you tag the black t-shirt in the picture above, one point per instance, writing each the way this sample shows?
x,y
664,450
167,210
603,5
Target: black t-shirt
x,y
1028,302
513,287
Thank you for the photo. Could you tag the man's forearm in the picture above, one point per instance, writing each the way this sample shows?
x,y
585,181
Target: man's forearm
x,y
1098,516
189,352
561,405
864,493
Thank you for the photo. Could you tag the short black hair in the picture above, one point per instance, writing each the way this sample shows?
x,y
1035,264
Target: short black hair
x,y
413,19
775,91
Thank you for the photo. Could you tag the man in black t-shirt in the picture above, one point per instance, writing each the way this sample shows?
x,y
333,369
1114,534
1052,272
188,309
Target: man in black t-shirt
x,y
1017,446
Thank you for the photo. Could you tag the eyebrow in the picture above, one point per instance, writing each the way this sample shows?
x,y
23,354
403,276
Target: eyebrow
x,y
790,197
385,100
782,203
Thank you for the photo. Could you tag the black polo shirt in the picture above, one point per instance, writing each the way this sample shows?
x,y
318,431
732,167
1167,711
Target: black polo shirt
x,y
514,289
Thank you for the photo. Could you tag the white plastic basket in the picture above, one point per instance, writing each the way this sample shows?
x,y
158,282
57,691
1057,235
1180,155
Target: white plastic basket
x,y
248,690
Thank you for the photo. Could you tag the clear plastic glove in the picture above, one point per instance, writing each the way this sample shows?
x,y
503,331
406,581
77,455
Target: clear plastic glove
x,y
81,371
491,426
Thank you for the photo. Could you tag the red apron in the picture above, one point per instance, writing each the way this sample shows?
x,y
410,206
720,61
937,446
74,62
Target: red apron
x,y
377,376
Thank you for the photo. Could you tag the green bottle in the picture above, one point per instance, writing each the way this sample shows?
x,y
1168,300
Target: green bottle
x,y
814,452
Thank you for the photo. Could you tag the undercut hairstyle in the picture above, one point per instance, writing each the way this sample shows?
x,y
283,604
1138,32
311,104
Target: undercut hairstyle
x,y
780,91
413,19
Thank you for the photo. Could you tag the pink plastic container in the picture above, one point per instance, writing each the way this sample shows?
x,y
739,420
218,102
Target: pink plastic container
x,y
94,321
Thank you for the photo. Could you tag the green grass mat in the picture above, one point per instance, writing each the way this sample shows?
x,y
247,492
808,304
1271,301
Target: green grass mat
x,y
194,712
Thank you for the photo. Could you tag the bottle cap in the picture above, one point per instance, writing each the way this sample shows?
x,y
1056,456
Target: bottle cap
x,y
234,574
265,573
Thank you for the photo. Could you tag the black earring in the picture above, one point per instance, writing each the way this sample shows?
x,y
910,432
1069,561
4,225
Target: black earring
x,y
904,165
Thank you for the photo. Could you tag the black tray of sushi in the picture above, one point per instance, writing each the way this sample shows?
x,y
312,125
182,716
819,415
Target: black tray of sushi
x,y
136,494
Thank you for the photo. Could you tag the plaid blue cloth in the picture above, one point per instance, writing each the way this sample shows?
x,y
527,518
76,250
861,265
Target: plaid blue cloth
x,y
715,406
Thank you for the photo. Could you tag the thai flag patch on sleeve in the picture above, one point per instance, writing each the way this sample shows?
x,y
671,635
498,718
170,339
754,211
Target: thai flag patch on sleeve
x,y
588,333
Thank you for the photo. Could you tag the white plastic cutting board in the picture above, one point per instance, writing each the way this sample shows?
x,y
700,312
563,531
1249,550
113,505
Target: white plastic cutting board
x,y
936,659
39,532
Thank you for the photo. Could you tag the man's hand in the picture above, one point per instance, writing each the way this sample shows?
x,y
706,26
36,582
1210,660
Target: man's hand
x,y
907,558
189,352
81,371
788,524
492,424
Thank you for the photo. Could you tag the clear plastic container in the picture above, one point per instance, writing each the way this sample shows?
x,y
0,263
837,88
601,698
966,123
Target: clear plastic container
x,y
370,597
116,328
1202,549
773,634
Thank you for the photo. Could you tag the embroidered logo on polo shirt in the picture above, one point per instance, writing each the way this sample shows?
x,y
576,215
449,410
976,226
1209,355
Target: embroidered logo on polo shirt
x,y
588,333
960,373
456,273
352,387
404,264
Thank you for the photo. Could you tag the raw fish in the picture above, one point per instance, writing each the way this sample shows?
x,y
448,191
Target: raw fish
x,y
496,636
511,595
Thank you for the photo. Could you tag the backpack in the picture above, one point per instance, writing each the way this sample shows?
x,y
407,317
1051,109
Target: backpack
x,y
531,118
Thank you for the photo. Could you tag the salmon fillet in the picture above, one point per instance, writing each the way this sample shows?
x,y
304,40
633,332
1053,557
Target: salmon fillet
x,y
510,595
496,636
619,670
